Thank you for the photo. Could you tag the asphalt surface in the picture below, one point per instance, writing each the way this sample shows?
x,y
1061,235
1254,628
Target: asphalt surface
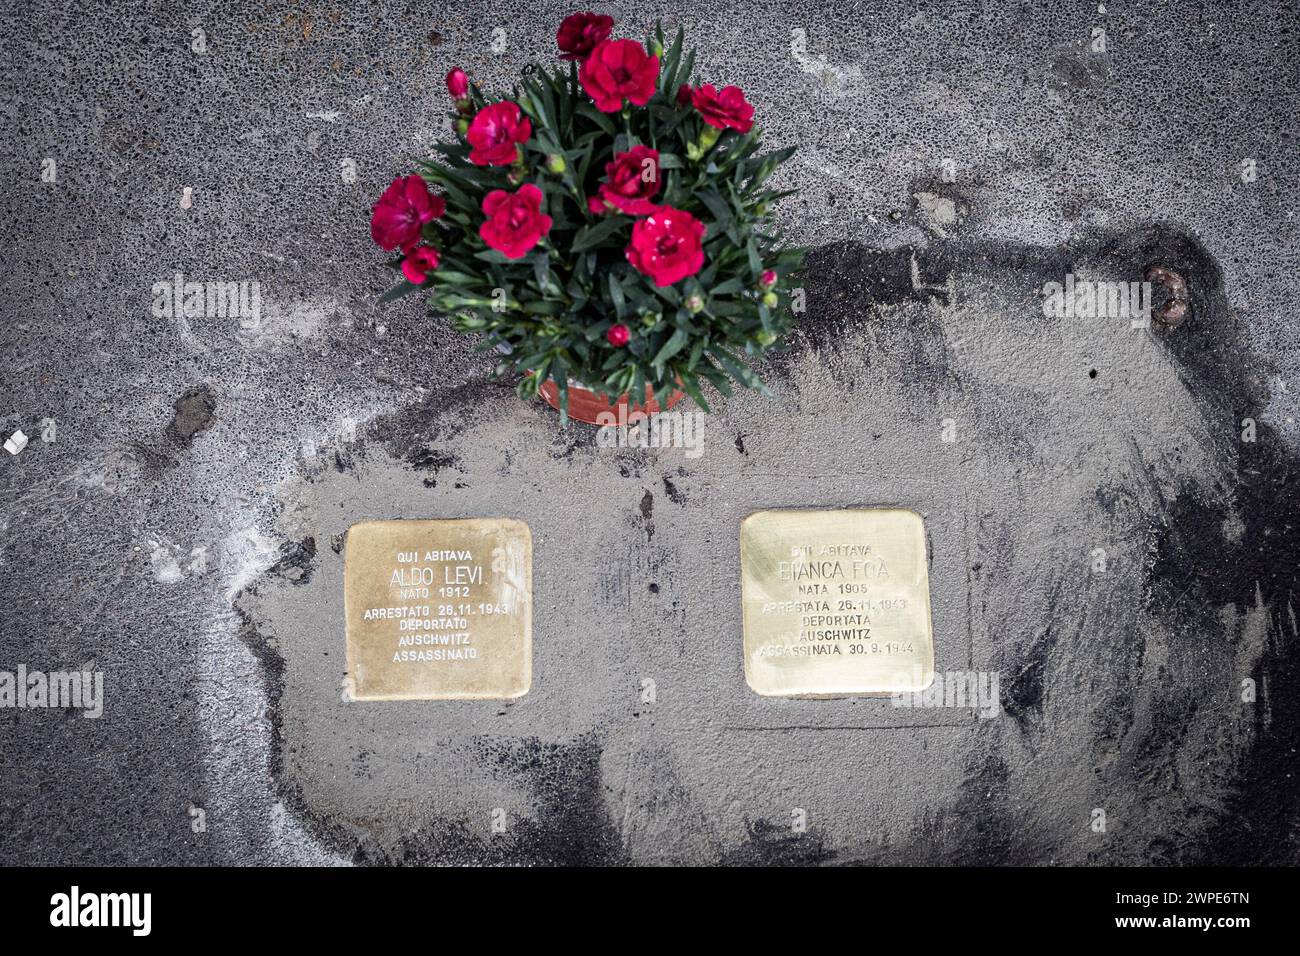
x,y
181,532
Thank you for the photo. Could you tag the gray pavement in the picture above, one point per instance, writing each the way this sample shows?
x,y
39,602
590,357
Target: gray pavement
x,y
182,531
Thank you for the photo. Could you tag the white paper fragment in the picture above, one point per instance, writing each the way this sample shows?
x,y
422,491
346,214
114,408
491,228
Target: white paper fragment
x,y
16,442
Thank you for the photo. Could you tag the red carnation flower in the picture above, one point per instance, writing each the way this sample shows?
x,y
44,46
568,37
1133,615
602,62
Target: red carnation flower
x,y
727,109
667,246
618,335
495,132
580,33
402,211
515,221
631,179
419,262
618,70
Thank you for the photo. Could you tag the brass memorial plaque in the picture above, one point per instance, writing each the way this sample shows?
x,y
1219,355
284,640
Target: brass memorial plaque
x,y
439,610
836,603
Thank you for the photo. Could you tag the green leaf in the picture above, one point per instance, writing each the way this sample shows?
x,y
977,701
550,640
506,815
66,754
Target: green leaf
x,y
690,385
454,192
668,77
670,348
665,292
723,213
397,291
596,116
450,278
589,237
472,323
453,300
541,270
458,150
562,386
545,307
685,75
696,349
740,372
718,379
675,118
616,295
548,105
638,384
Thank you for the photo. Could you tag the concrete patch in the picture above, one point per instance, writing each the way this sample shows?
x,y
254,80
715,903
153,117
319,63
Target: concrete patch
x,y
636,580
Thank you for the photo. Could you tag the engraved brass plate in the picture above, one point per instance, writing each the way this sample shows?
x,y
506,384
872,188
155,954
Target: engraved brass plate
x,y
439,610
836,603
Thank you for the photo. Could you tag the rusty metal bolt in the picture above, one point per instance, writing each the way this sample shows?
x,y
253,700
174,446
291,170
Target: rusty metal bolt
x,y
1171,304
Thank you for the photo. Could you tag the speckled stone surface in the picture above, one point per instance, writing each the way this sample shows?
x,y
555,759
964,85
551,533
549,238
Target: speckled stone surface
x,y
181,531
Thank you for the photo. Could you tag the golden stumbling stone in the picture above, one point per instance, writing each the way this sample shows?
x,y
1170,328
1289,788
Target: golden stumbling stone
x,y
836,603
439,610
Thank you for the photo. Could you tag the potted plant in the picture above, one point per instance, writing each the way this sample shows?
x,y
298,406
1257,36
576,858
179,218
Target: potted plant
x,y
605,226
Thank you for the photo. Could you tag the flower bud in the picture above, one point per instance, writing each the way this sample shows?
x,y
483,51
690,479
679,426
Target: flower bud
x,y
771,299
768,278
650,319
694,303
765,338
618,335
708,136
458,83
462,126
556,164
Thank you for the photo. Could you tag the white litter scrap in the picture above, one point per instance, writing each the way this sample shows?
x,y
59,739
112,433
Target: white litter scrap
x,y
16,442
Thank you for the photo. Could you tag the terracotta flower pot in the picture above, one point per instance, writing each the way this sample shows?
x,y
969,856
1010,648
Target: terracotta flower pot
x,y
586,405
